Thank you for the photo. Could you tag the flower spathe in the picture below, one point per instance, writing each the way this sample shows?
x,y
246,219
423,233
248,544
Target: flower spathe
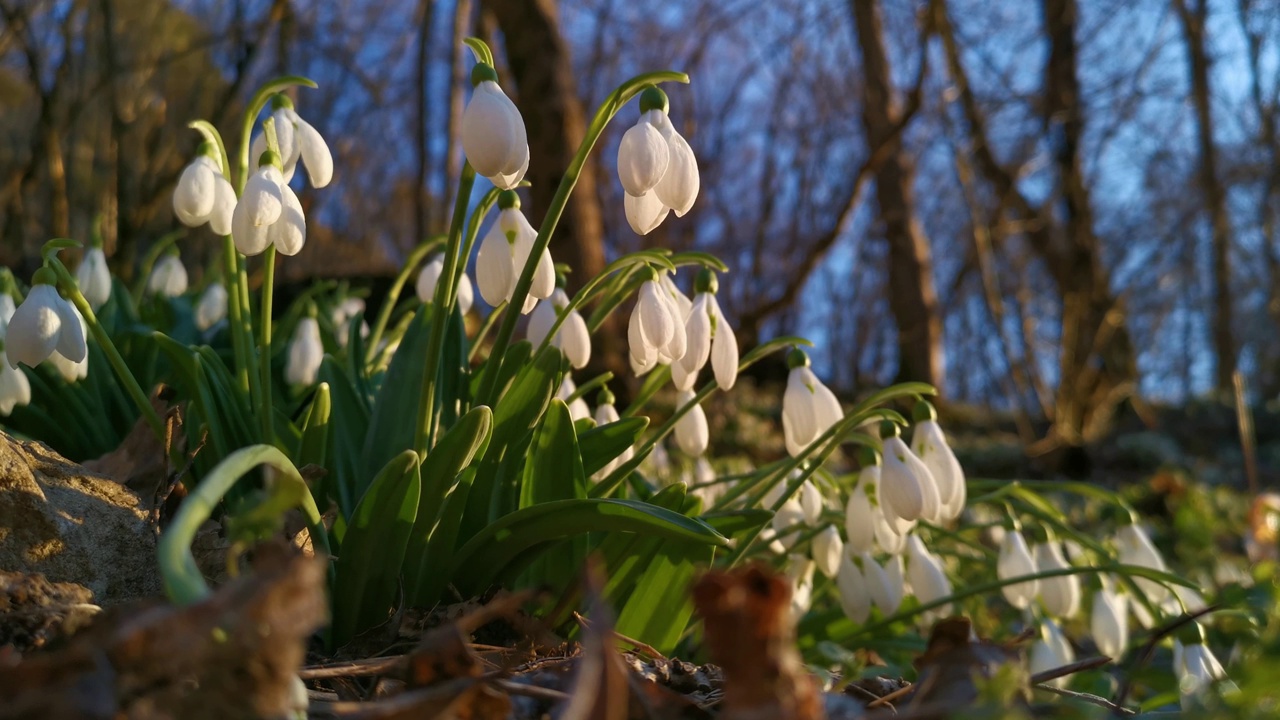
x,y
1015,560
268,214
204,195
212,307
429,276
691,431
493,133
504,252
44,322
809,408
93,278
573,338
305,353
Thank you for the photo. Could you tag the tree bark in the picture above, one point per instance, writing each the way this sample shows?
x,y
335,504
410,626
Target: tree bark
x,y
1224,347
912,297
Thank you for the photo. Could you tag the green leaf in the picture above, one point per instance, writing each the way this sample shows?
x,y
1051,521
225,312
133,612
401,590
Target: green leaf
x,y
602,444
368,568
440,470
554,469
494,550
395,410
350,421
314,446
732,522
661,605
443,542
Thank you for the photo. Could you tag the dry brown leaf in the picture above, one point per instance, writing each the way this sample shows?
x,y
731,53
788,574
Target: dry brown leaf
x,y
951,662
599,690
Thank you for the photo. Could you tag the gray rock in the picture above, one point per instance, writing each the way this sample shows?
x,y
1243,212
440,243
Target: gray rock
x,y
58,519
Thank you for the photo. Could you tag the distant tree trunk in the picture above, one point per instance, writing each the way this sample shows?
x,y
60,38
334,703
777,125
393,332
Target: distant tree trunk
x,y
1193,29
462,21
421,206
912,298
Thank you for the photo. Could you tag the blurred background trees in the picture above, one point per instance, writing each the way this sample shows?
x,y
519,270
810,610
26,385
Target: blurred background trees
x,y
1052,209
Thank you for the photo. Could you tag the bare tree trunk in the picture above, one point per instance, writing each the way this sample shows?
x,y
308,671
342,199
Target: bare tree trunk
x,y
912,298
1193,28
421,207
462,21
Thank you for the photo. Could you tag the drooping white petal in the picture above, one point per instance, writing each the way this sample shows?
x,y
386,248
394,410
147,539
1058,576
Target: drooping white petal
x,y
928,580
656,321
194,196
644,213
811,501
691,430
724,348
1135,548
642,157
1051,651
1015,560
901,492
466,295
697,329
642,356
305,353
224,208
493,137
509,181
168,277
786,517
798,418
1109,622
262,201
15,389
315,153
428,276
886,592
800,572
828,550
72,338
286,135
575,340
212,307
855,598
540,322
678,188
289,233
930,444
34,329
859,516
494,269
1061,594
93,278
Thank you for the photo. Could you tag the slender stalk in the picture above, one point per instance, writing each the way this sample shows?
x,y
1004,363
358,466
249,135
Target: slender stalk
x,y
235,312
604,114
483,332
131,386
264,343
393,295
446,294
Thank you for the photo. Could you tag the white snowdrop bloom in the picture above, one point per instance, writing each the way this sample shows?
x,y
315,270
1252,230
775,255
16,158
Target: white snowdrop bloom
x,y
572,338
1109,622
1197,669
708,336
168,277
928,580
1051,651
204,195
510,181
827,549
653,325
809,408
578,409
889,538
904,489
930,445
305,353
643,154
811,502
212,307
430,275
343,315
93,278
678,188
1060,595
493,133
503,253
681,306
785,519
691,430
1135,548
859,513
15,389
885,584
644,213
43,323
72,370
854,590
269,214
769,537
308,146
800,572
1015,560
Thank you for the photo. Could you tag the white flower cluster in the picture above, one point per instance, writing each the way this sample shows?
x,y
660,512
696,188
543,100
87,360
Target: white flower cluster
x,y
45,327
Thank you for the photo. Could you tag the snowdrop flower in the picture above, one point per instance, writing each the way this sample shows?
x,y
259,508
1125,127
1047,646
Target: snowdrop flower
x,y
430,275
204,195
578,409
884,582
305,353
859,513
503,253
72,370
652,331
691,430
708,336
43,323
93,277
907,491
1135,548
606,413
769,537
1060,595
573,338
656,166
168,277
855,598
930,445
1196,668
786,518
297,140
800,572
928,580
15,389
212,307
268,213
1015,560
342,317
1109,621
493,133
828,550
1051,651
809,408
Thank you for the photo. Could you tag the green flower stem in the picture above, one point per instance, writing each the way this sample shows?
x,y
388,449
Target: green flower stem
x,y
131,386
183,582
446,294
246,329
264,344
235,314
589,385
411,264
259,101
483,332
604,114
